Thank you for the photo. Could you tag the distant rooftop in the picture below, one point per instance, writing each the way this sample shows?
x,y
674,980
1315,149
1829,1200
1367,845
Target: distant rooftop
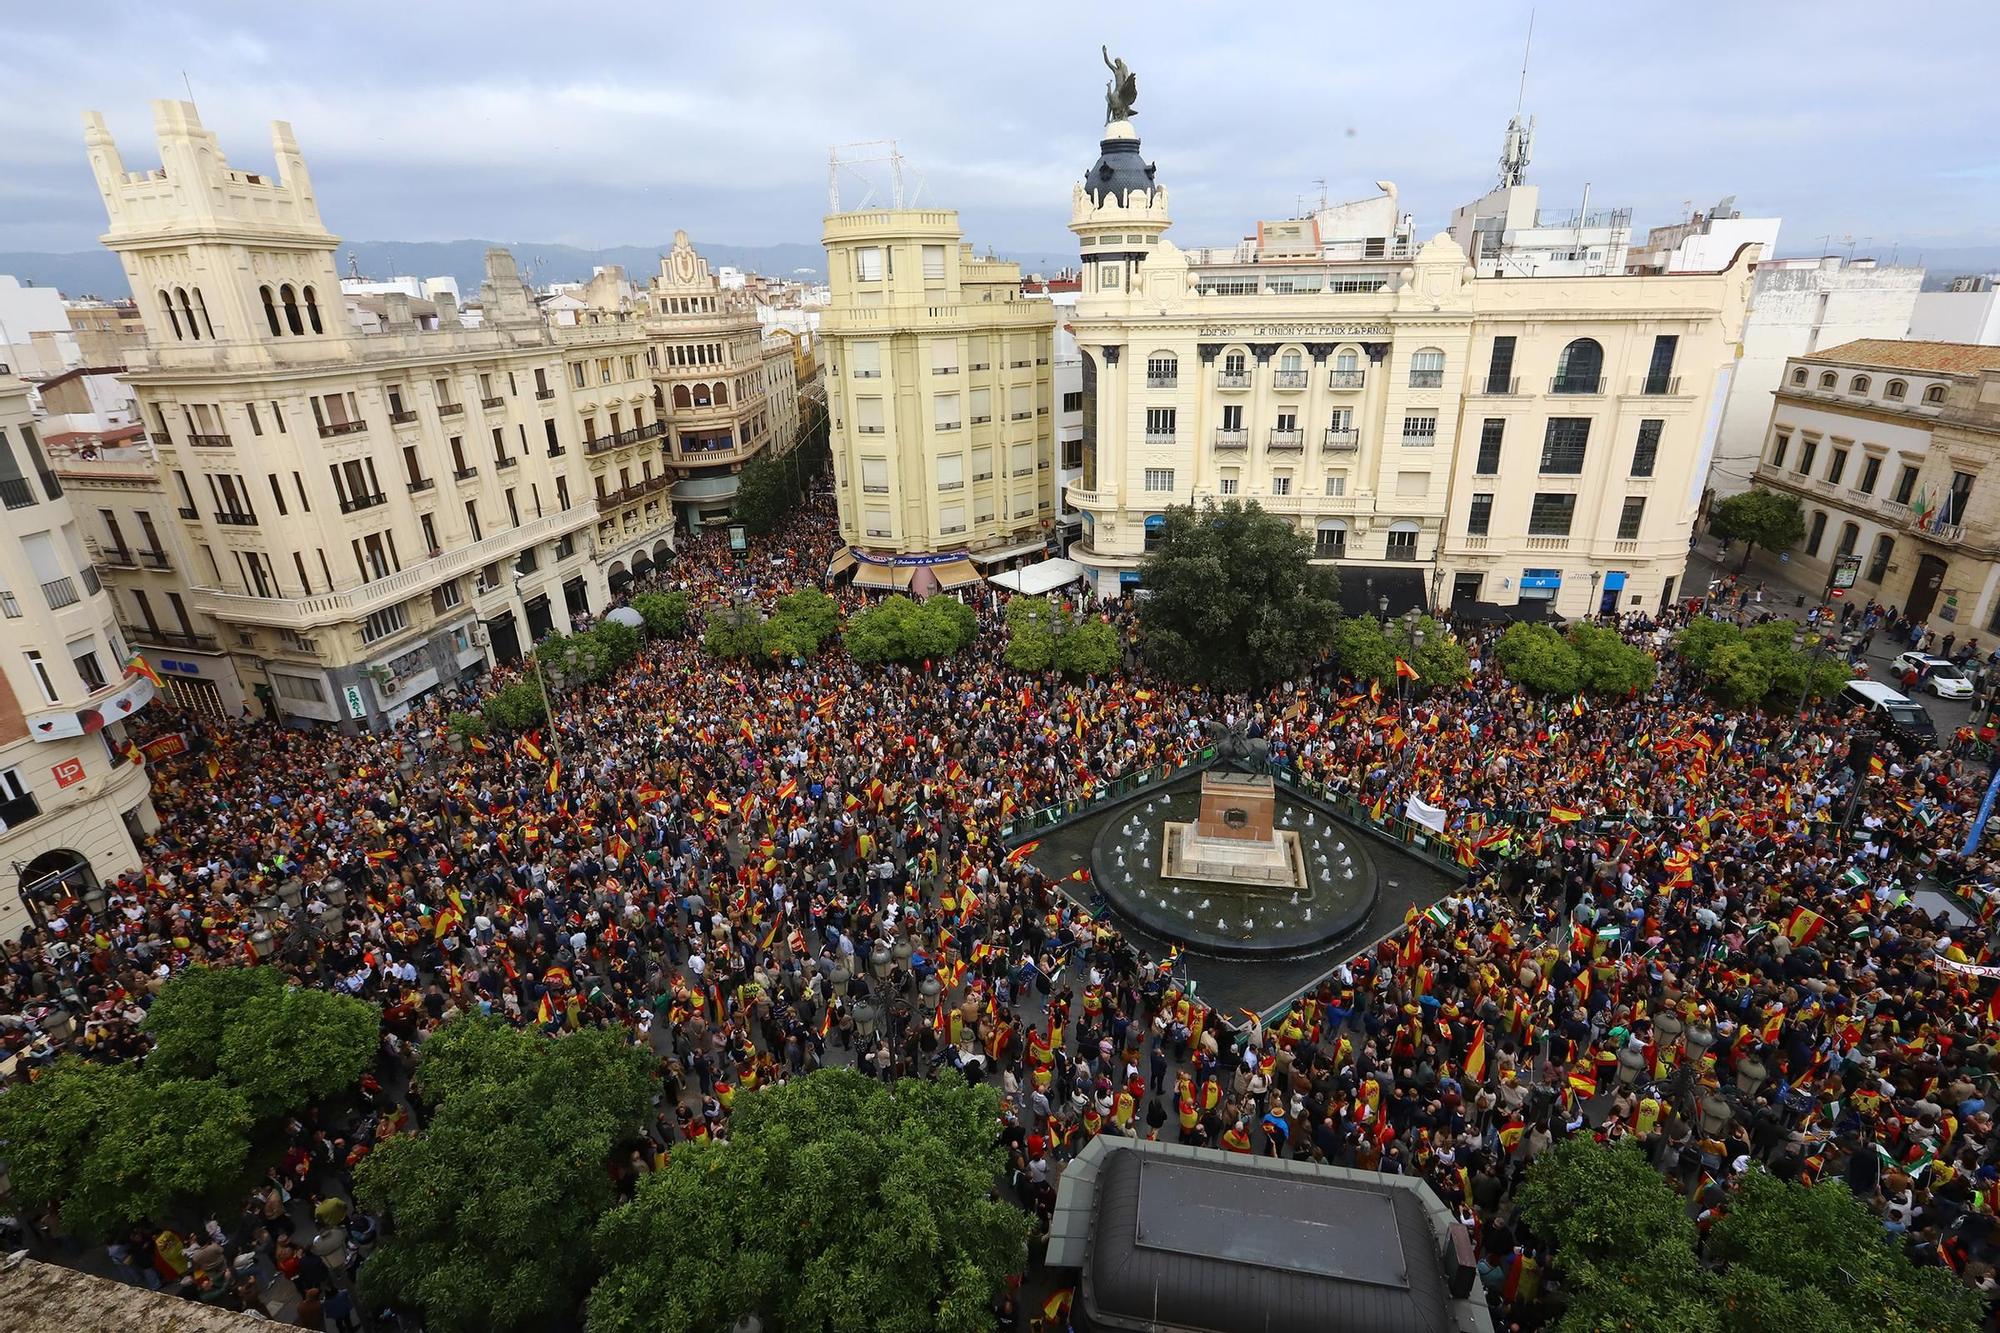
x,y
1901,354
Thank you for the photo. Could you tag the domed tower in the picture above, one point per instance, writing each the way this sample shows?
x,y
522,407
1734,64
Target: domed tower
x,y
1118,213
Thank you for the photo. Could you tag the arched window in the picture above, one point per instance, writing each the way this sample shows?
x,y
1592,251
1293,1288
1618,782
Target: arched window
x,y
201,303
721,393
1290,359
270,311
173,320
1163,370
701,395
1934,394
1427,368
1859,384
1894,390
291,300
1580,368
312,311
1850,533
1828,380
681,397
187,313
1347,360
1817,532
1330,540
1799,375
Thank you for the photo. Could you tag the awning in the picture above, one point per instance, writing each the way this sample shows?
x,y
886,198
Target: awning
x,y
642,564
843,560
619,578
1362,588
884,578
1499,613
1041,577
955,574
995,556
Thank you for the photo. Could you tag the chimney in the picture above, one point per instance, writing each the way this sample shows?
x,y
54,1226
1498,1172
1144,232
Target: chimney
x,y
447,308
396,312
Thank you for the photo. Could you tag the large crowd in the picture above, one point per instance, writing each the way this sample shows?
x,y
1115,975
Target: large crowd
x,y
1695,927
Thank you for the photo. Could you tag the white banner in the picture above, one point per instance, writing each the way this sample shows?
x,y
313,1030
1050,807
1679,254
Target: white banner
x,y
1977,969
1430,816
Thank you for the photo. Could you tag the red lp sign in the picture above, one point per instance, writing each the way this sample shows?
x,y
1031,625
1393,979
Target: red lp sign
x,y
68,773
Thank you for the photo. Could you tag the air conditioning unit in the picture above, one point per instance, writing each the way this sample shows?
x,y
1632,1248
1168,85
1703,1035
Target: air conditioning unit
x,y
482,636
388,684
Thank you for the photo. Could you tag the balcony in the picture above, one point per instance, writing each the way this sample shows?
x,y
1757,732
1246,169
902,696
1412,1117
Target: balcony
x,y
1330,550
465,474
1232,379
1163,381
1478,543
355,504
493,404
451,409
502,464
1160,440
1625,546
418,485
334,428
1576,386
400,419
1658,386
117,557
1419,439
1288,379
543,395
1547,543
1427,379
16,493
1498,386
91,583
1401,554
1232,439
1337,438
167,638
60,593
1287,439
188,512
944,370
237,520
1345,379
221,441
155,560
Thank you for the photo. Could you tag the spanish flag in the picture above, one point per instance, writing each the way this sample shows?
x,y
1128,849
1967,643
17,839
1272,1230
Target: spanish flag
x,y
1804,926
1992,1007
1510,1135
1583,1080
1475,1055
532,748
478,744
543,1013
1023,852
139,666
1375,691
555,776
1056,1307
825,1021
1375,810
1564,814
377,858
1404,671
718,805
788,789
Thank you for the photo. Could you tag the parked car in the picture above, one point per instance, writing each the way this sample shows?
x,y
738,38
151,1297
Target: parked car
x,y
1901,719
1935,674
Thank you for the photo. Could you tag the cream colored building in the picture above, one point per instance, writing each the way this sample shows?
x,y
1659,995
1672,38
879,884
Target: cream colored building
x,y
939,387
367,516
1893,449
1443,437
72,804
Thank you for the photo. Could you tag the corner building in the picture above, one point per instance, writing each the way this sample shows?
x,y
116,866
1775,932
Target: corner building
x,y
1442,437
369,515
938,385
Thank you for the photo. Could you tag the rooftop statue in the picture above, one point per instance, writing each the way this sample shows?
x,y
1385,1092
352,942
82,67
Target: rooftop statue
x,y
1121,91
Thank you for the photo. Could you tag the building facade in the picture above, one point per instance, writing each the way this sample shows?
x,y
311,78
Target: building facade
x,y
940,392
1799,307
371,516
1892,448
1511,438
73,802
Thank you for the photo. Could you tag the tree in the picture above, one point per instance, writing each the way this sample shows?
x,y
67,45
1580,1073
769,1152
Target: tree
x,y
765,493
1623,1243
194,1011
617,646
1361,648
515,706
465,726
1539,658
1741,666
839,1205
161,1142
897,629
1697,641
1032,623
1439,660
809,618
492,1205
1759,517
1609,664
665,613
1234,600
287,1050
1091,648
48,1126
734,631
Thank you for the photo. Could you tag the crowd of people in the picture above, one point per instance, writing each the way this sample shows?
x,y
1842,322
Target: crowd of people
x,y
1696,927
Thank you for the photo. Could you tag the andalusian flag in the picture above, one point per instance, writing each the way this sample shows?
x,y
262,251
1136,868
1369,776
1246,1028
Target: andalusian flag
x,y
1404,671
139,666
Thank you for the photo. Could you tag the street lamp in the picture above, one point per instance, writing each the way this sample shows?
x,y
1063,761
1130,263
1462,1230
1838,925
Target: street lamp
x,y
1593,609
1812,666
1382,609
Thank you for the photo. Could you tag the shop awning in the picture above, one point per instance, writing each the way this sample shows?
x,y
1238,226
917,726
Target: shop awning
x,y
1039,578
995,556
1362,588
955,574
883,578
843,560
642,564
619,578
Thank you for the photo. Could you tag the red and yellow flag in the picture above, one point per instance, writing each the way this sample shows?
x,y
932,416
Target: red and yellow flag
x,y
1404,671
1565,814
139,666
555,776
1475,1055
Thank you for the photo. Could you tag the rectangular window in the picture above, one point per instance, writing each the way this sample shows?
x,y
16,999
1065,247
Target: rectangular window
x,y
1336,483
1162,372
1159,479
1550,515
1779,444
944,411
951,471
1646,453
1906,482
1021,458
383,623
278,495
934,263
982,463
1836,467
1563,445
1073,402
1957,499
1871,472
1480,521
1281,483
40,669
256,426
868,416
1630,517
1427,369
1808,450
1420,430
876,522
1491,432
868,263
1072,455
1660,373
981,406
1160,423
472,520
944,356
1500,369
1229,483
875,475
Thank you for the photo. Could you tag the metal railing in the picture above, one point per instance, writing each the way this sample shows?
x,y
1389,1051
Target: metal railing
x,y
219,441
355,504
16,493
421,484
60,593
465,473
1420,439
237,520
155,560
543,395
404,418
502,464
118,557
1288,379
1660,386
1346,379
331,429
1232,439
1287,439
1426,379
450,409
1336,438
490,403
1232,379
1573,384
1163,381
1498,386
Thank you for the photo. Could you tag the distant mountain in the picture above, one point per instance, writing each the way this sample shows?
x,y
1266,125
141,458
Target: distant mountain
x,y
98,273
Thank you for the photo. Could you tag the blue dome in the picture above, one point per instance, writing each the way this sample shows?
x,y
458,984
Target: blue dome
x,y
1119,171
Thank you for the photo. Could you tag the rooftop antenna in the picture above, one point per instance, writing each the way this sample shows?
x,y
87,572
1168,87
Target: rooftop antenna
x,y
1521,96
894,157
1321,182
1520,136
187,85
353,266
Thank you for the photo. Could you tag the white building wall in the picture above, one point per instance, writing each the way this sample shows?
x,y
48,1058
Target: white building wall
x,y
1957,317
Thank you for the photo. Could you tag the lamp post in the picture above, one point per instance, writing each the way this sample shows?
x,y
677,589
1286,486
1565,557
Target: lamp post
x,y
548,709
1591,610
1382,609
1799,637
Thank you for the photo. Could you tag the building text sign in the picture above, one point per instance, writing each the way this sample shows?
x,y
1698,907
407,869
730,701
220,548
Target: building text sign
x,y
1293,331
68,773
356,706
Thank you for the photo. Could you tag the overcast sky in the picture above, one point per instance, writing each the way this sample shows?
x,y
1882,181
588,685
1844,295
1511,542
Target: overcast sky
x,y
436,120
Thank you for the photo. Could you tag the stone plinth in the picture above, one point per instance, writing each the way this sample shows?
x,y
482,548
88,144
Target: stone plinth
x,y
1235,806
1273,864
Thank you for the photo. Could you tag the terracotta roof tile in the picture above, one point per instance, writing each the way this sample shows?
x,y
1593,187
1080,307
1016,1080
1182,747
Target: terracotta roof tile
x,y
1903,354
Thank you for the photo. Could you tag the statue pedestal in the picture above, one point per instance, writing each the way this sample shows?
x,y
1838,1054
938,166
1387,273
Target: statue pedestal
x,y
1232,840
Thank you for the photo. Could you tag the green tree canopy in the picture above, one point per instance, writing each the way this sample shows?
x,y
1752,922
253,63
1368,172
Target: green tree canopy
x,y
1089,648
1032,623
289,1049
515,706
494,1202
161,1142
1610,665
47,1127
1741,666
897,629
1759,517
193,1012
1234,600
1541,659
839,1205
665,613
766,490
1367,650
809,617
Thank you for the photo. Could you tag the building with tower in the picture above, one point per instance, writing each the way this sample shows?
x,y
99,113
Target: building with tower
x,y
1444,436
74,800
369,515
939,392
